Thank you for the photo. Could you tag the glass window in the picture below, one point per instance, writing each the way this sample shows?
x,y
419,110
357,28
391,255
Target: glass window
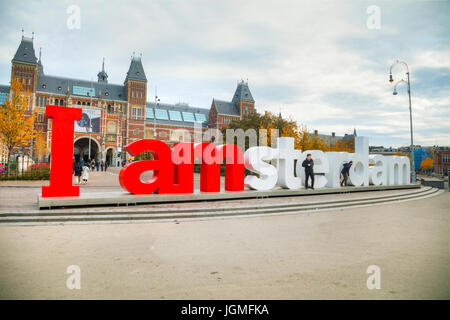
x,y
175,115
161,114
200,117
149,113
83,91
2,97
188,116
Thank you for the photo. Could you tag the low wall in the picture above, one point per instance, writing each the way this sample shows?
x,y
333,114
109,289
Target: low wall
x,y
124,199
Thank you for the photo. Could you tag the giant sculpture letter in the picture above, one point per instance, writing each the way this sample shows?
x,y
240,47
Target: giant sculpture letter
x,y
162,166
62,152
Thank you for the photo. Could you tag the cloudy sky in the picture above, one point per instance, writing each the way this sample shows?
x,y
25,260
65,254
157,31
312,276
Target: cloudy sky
x,y
325,63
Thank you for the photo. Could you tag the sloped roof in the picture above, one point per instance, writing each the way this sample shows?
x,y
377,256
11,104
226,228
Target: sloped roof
x,y
59,85
181,108
225,107
242,93
25,52
136,70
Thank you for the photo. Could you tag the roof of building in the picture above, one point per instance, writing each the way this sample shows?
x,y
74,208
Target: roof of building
x,y
4,88
25,52
181,108
136,70
224,107
59,85
242,93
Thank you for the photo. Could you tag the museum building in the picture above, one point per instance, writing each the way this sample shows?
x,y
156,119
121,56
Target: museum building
x,y
115,114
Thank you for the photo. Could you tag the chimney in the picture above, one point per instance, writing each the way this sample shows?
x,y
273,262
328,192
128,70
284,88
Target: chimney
x,y
316,132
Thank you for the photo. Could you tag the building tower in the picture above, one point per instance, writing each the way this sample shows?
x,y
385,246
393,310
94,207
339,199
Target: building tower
x,y
24,65
102,75
243,99
136,91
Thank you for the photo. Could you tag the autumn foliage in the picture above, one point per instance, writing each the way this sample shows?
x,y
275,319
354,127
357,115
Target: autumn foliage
x,y
426,164
289,128
16,127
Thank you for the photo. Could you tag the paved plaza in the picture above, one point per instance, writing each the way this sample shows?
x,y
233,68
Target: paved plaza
x,y
300,256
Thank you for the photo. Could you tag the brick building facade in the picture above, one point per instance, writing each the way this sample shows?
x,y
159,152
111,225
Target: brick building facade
x,y
441,157
114,114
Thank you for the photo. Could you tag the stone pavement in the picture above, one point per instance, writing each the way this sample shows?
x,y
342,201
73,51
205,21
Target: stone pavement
x,y
16,196
321,255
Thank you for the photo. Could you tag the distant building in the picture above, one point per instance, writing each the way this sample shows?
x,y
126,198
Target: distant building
x,y
115,115
222,113
441,157
420,154
333,138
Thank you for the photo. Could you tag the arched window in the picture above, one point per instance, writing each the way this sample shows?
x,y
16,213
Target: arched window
x,y
79,103
109,109
61,102
56,102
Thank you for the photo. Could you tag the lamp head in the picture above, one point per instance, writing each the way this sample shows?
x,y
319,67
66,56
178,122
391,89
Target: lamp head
x,y
390,78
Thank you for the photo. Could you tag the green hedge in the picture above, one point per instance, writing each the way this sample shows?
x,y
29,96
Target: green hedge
x,y
35,174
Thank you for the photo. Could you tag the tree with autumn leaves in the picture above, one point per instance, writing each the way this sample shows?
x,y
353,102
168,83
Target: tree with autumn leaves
x,y
288,128
16,127
426,164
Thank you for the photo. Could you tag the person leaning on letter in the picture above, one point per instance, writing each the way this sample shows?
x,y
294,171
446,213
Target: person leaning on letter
x,y
308,164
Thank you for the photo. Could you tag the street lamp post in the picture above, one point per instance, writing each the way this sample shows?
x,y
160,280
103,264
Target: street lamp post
x,y
154,112
391,79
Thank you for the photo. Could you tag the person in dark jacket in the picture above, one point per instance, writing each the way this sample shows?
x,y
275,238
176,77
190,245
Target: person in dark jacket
x,y
345,171
78,170
308,164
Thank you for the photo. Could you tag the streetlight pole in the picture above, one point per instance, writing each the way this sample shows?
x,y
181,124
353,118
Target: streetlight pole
x,y
154,112
413,173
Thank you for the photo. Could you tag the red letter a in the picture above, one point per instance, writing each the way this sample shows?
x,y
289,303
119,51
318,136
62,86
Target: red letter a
x,y
61,152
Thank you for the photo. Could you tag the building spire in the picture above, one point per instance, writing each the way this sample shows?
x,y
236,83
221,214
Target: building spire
x,y
102,75
41,67
23,32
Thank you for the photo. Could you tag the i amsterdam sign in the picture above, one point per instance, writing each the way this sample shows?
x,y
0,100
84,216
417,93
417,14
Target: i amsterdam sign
x,y
173,170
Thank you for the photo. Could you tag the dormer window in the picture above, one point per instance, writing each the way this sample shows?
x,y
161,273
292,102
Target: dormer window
x,y
59,88
106,93
44,86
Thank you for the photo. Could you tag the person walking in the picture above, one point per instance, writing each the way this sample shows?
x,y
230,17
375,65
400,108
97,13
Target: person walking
x,y
106,165
78,170
308,164
345,172
85,174
97,164
102,165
